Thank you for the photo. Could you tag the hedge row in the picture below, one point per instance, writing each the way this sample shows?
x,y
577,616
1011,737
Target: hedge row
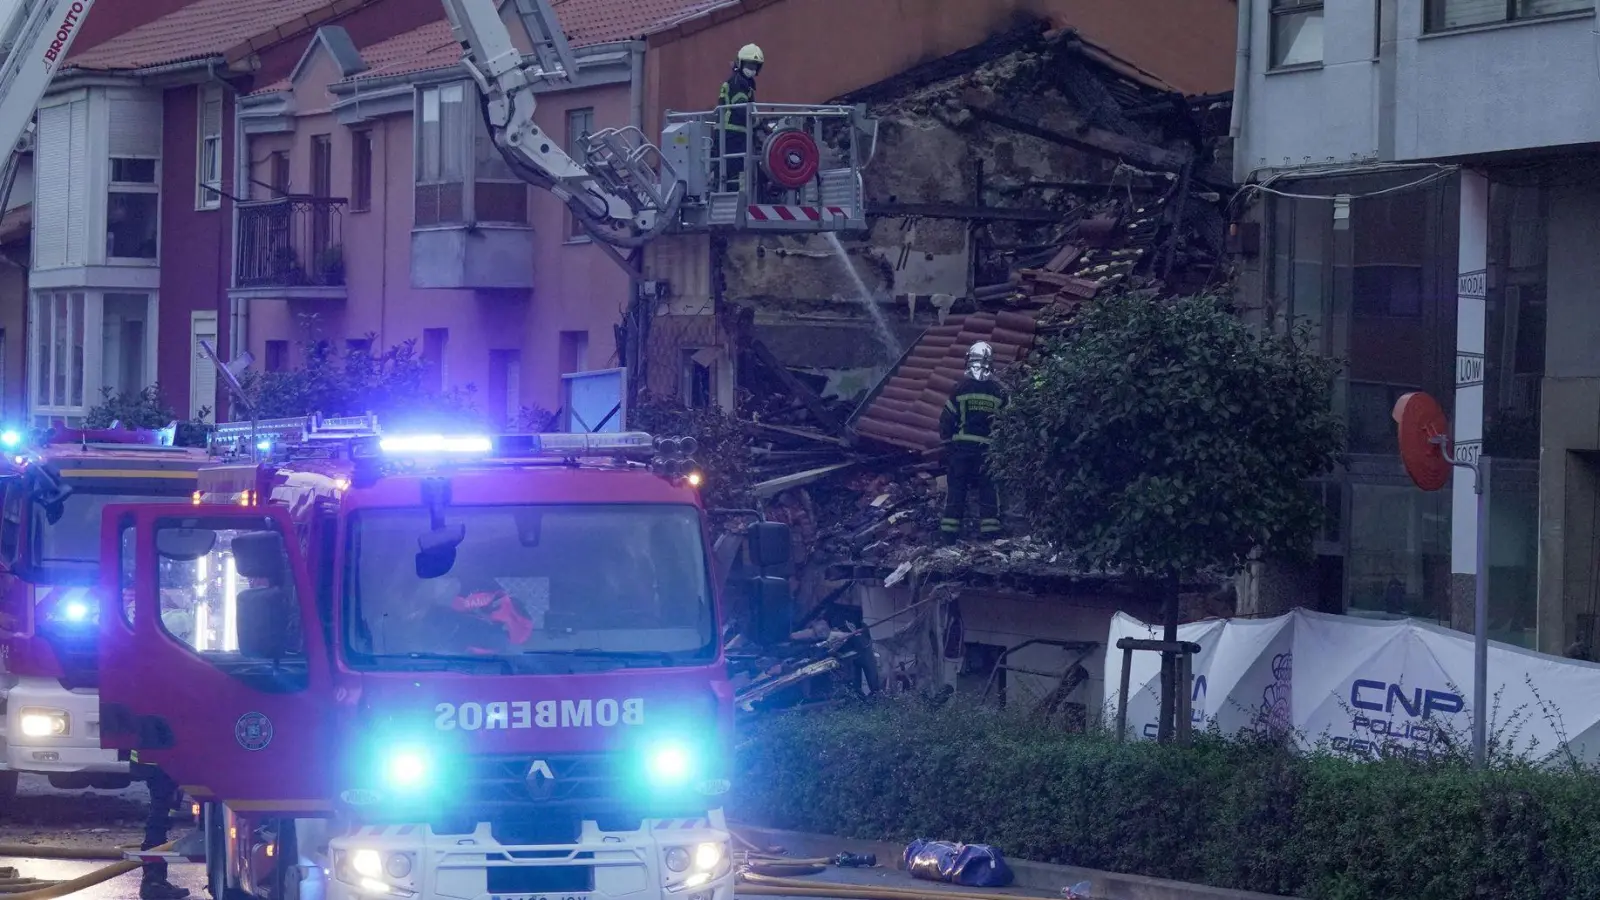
x,y
1225,813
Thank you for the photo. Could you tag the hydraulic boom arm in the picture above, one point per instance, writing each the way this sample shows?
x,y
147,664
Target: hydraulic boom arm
x,y
34,37
615,190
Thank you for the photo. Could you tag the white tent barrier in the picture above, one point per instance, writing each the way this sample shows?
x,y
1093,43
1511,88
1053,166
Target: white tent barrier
x,y
1365,687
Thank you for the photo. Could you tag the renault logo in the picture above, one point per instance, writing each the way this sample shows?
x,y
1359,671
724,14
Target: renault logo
x,y
540,780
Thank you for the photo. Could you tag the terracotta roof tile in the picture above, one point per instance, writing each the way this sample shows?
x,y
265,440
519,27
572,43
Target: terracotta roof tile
x,y
202,29
585,22
905,412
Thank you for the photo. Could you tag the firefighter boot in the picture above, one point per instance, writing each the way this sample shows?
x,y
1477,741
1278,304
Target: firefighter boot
x,y
161,889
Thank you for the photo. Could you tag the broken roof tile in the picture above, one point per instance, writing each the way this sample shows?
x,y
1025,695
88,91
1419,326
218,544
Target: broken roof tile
x,y
904,412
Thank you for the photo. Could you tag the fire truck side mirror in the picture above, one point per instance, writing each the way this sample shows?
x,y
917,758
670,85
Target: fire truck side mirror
x,y
770,609
769,544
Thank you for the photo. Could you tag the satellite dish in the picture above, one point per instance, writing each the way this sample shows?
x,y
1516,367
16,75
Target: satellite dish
x,y
1425,447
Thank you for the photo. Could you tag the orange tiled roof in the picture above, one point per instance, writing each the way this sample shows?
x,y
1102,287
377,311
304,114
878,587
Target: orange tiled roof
x,y
585,22
202,29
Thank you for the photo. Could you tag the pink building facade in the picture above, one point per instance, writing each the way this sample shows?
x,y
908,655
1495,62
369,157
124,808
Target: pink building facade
x,y
260,173
379,210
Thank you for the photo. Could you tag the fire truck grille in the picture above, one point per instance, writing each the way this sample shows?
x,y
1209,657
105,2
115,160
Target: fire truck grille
x,y
564,780
585,785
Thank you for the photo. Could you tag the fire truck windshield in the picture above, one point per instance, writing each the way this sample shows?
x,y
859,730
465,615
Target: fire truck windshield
x,y
69,549
607,584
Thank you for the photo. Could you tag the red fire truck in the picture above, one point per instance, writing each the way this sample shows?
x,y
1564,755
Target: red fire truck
x,y
433,665
55,486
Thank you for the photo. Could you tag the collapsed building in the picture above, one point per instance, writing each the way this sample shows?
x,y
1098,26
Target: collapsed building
x,y
1011,183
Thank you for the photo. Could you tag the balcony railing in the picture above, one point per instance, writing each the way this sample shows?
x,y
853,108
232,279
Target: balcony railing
x,y
290,242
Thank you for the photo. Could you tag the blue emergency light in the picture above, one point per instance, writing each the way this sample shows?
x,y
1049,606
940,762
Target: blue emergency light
x,y
10,438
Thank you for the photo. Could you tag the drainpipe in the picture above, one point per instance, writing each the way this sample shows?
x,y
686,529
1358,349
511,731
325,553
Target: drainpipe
x,y
636,83
1241,78
238,310
636,335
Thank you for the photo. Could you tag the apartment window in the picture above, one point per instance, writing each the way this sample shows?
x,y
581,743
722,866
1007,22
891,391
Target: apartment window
x,y
1296,33
132,209
574,352
202,371
505,392
580,124
209,171
322,187
442,155
358,345
58,319
1443,15
123,325
360,171
278,172
434,342
498,195
698,389
277,356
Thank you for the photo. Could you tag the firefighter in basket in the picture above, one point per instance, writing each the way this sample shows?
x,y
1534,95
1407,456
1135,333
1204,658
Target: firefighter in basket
x,y
965,427
734,122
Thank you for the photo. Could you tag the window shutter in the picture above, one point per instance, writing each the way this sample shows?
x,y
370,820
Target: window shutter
x,y
78,186
51,167
211,115
135,127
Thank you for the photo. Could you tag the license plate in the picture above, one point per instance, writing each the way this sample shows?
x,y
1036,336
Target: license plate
x,y
538,897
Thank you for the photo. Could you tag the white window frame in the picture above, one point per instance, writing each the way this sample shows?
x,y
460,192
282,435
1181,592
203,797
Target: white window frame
x,y
195,360
43,329
1283,11
133,187
432,98
1511,11
208,187
147,374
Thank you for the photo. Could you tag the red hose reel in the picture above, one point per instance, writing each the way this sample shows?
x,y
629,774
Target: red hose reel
x,y
791,158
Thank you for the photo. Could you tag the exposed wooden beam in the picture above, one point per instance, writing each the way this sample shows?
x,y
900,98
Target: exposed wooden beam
x,y
962,211
1084,137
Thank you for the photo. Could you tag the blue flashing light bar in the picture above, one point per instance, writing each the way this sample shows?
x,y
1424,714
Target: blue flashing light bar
x,y
423,444
518,446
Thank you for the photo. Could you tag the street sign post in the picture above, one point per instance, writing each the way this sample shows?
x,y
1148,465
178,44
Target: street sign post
x,y
1426,452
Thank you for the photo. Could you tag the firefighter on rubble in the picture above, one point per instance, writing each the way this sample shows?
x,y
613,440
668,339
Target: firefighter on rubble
x,y
965,428
735,125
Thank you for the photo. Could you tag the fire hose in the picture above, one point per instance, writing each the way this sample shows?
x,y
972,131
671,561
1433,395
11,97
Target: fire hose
x,y
759,876
34,889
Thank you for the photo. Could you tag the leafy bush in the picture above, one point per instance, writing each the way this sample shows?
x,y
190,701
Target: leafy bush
x,y
144,409
723,454
1232,813
392,383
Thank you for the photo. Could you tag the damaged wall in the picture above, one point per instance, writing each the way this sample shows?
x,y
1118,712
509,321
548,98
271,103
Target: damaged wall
x,y
819,49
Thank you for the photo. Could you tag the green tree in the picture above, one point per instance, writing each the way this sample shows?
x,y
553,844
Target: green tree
x,y
1168,438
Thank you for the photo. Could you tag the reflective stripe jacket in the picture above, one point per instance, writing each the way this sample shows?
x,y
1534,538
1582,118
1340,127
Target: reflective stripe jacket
x,y
968,415
737,89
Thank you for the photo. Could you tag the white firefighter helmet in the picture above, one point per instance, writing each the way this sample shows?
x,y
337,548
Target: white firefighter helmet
x,y
980,360
751,55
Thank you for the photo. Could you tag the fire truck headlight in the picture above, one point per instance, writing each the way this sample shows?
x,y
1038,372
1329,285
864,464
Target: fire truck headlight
x,y
707,857
398,865
669,764
677,859
40,722
76,611
407,768
367,863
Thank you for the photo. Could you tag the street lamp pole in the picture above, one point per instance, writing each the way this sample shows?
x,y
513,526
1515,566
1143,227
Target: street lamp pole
x,y
1480,611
